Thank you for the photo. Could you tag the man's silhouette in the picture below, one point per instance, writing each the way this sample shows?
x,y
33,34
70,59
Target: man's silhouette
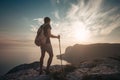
x,y
47,47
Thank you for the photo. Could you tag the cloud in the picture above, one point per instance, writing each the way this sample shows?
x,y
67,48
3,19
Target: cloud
x,y
95,19
39,20
33,28
90,16
56,14
55,2
58,1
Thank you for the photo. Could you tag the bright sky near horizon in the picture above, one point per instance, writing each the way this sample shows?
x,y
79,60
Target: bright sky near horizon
x,y
77,21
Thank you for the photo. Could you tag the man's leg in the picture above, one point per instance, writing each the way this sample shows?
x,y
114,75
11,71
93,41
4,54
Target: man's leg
x,y
50,52
49,61
41,60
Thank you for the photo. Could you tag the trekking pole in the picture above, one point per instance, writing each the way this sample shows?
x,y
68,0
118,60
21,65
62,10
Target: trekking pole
x,y
60,54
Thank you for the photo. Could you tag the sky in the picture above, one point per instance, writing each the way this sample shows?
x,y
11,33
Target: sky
x,y
77,21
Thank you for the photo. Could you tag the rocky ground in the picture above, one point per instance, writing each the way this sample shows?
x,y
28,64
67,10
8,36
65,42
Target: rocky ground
x,y
96,69
99,69
87,62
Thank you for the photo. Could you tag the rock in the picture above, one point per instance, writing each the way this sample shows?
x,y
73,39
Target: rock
x,y
95,69
74,54
41,77
105,69
33,65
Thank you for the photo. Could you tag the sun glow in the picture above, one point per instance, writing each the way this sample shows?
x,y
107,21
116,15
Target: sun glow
x,y
80,32
81,35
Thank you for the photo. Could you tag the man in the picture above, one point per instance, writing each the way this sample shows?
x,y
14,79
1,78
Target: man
x,y
47,47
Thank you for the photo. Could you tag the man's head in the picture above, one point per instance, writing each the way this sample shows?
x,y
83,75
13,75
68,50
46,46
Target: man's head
x,y
46,20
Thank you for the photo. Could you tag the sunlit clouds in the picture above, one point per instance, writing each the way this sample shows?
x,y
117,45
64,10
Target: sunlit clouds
x,y
56,14
33,28
39,20
85,20
95,20
81,34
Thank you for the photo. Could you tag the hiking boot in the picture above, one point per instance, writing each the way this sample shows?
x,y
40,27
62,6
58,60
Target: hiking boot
x,y
47,72
40,72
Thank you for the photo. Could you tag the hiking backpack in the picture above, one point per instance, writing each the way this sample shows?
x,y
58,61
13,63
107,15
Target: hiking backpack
x,y
40,38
